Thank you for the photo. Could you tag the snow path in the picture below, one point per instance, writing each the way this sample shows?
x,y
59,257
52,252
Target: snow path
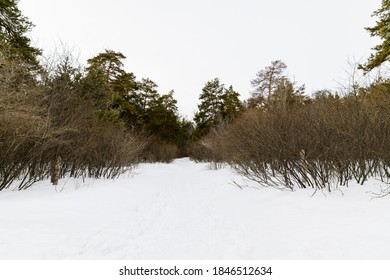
x,y
184,210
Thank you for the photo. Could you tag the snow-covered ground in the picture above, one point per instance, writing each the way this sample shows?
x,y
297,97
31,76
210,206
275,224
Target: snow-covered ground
x,y
185,210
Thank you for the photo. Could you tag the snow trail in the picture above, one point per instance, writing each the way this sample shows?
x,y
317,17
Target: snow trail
x,y
185,210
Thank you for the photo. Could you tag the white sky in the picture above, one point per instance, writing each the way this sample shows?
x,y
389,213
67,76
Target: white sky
x,y
182,44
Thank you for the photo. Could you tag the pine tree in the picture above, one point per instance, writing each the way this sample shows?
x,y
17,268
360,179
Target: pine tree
x,y
108,64
135,103
13,39
232,106
210,109
381,30
161,118
111,86
147,94
265,84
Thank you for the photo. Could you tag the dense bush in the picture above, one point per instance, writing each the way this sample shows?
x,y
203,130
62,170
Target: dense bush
x,y
326,143
48,130
158,151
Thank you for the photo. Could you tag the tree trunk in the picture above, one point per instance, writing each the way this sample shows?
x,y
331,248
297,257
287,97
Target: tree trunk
x,y
302,155
55,170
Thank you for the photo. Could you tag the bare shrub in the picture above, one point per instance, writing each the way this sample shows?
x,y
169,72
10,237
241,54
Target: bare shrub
x,y
21,125
321,145
47,129
103,151
157,150
88,142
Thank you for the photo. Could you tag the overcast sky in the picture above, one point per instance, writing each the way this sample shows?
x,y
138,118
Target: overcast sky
x,y
181,44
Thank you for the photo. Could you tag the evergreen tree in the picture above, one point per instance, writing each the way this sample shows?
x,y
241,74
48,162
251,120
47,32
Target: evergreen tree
x,y
161,118
232,106
135,103
218,105
210,109
381,30
147,94
140,98
13,39
111,86
109,66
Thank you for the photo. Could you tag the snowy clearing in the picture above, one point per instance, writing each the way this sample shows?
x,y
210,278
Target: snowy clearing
x,y
185,210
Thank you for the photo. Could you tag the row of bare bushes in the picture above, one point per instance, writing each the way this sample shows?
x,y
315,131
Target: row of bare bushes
x,y
48,130
157,150
321,145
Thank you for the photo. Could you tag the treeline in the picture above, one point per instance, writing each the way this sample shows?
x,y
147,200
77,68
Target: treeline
x,y
58,118
61,119
49,128
287,140
92,121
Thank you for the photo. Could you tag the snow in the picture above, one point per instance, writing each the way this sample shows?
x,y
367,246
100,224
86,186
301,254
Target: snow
x,y
186,210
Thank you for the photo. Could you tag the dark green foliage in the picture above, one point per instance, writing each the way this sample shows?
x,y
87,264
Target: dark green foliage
x,y
210,108
218,105
382,31
137,104
231,105
110,86
13,39
108,63
161,119
106,69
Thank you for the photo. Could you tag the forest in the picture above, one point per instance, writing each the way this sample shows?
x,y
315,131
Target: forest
x,y
59,119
